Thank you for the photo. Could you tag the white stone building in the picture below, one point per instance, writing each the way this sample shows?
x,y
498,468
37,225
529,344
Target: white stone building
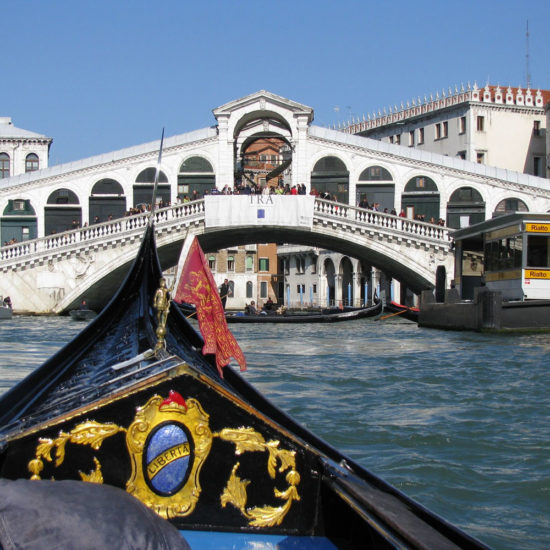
x,y
494,125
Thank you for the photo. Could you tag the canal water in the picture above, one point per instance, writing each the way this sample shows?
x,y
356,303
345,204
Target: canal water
x,y
458,421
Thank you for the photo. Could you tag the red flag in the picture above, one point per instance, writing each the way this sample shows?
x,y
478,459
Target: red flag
x,y
197,286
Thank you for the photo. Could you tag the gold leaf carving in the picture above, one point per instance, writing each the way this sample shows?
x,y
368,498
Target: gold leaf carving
x,y
95,476
235,491
245,439
88,433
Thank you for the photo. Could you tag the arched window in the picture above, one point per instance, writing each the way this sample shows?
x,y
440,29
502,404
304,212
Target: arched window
x,y
465,207
421,198
143,187
330,176
196,178
107,200
507,206
62,212
375,185
32,163
4,165
249,289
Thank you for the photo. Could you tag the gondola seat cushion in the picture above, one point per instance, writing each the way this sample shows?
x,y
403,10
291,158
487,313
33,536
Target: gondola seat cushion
x,y
68,515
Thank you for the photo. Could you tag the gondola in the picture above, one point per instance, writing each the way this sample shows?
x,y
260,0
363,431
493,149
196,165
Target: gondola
x,y
132,403
328,316
407,312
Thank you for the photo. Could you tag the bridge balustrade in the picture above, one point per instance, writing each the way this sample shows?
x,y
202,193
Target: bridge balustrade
x,y
381,219
99,232
123,227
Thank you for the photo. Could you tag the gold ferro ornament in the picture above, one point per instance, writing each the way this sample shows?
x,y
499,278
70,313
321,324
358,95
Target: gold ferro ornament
x,y
161,302
168,443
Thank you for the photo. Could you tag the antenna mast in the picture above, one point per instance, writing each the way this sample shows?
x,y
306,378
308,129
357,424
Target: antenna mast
x,y
528,72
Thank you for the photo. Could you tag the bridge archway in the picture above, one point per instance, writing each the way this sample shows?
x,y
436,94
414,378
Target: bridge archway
x,y
62,212
346,276
143,187
465,207
330,276
195,175
107,199
19,222
331,176
376,185
509,205
421,198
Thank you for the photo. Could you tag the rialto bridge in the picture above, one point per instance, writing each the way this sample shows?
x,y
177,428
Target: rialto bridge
x,y
51,274
265,140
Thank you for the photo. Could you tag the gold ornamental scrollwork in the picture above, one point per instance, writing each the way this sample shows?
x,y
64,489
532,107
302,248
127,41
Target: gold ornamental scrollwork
x,y
168,442
88,433
248,440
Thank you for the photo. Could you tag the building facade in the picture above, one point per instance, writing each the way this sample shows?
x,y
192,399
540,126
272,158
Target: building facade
x,y
497,126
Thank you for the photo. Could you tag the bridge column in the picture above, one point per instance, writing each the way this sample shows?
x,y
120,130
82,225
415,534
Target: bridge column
x,y
396,290
225,172
338,290
300,172
357,286
375,282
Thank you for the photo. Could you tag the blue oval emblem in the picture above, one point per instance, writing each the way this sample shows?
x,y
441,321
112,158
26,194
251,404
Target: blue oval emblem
x,y
167,457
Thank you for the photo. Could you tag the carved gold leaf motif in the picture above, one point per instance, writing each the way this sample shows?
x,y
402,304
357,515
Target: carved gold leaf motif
x,y
191,418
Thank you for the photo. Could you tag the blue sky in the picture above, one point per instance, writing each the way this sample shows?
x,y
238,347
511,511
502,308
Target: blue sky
x,y
105,74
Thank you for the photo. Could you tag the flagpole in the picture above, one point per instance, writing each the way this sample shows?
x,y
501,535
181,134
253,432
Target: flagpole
x,y
157,174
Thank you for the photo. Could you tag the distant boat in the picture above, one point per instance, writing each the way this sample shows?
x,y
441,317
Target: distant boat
x,y
82,314
6,311
325,316
400,310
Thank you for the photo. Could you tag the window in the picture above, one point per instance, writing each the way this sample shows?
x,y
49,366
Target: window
x,y
25,231
250,263
538,251
18,204
263,289
438,131
300,289
445,129
480,157
249,289
4,165
31,163
391,139
536,128
420,136
314,289
411,138
537,167
420,183
398,139
230,263
480,124
212,263
461,155
462,125
263,264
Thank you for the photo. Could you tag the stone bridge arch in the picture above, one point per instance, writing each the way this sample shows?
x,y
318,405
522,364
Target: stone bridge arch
x,y
92,261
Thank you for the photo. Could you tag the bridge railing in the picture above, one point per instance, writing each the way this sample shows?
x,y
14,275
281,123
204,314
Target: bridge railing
x,y
407,226
98,232
122,227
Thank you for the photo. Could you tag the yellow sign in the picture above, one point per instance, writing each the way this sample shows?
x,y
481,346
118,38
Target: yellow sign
x,y
537,274
537,227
